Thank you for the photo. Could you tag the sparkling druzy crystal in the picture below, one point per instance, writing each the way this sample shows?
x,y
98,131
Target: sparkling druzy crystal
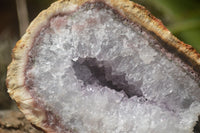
x,y
95,66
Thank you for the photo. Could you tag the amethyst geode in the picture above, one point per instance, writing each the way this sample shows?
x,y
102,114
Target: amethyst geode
x,y
95,66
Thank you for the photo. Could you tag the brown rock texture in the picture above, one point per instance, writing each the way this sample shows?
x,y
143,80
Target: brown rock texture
x,y
16,71
15,122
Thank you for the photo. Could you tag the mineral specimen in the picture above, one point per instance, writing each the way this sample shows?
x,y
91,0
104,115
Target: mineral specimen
x,y
105,66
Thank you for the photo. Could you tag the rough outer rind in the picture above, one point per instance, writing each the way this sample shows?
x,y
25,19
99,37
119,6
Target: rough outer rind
x,y
130,10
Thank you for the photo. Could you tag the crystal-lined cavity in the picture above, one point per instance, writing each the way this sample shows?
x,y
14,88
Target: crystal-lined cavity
x,y
99,73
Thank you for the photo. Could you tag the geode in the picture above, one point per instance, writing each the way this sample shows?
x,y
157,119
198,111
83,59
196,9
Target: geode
x,y
104,66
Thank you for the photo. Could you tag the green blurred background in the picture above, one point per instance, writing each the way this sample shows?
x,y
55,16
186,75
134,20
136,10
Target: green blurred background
x,y
182,18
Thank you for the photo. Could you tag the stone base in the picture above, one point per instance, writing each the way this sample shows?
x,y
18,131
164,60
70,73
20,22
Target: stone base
x,y
15,122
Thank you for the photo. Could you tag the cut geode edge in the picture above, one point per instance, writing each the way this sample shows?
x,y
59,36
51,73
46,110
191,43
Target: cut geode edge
x,y
130,10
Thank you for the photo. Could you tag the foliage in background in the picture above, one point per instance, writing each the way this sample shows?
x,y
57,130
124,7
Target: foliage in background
x,y
182,17
6,45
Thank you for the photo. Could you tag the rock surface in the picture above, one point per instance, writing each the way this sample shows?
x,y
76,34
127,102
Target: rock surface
x,y
92,70
15,122
101,73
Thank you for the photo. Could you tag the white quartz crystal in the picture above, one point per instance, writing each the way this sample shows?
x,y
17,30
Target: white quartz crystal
x,y
170,97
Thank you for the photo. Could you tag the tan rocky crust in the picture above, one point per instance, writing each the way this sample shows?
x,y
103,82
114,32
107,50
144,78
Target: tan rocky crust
x,y
15,122
130,10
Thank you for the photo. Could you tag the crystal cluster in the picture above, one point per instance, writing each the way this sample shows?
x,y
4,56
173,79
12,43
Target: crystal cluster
x,y
100,73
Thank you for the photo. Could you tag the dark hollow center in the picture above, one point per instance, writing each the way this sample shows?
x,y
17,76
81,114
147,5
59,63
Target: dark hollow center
x,y
91,71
